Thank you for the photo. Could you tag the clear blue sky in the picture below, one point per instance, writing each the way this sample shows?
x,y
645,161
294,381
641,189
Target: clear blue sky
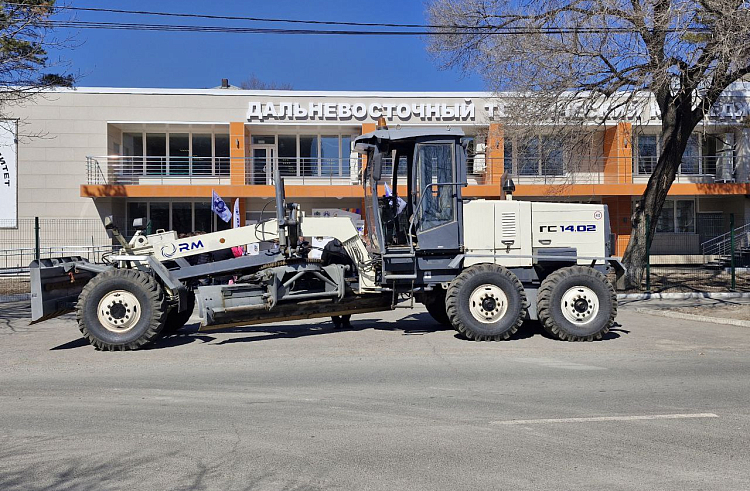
x,y
199,60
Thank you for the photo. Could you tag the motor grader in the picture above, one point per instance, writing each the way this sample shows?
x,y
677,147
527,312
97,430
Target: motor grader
x,y
481,266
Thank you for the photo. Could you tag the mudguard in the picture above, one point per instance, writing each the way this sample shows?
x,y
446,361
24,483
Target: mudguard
x,y
56,284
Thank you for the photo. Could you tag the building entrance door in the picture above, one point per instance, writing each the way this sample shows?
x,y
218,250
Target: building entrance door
x,y
262,161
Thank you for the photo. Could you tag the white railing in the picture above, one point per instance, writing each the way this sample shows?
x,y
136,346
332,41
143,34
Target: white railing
x,y
721,245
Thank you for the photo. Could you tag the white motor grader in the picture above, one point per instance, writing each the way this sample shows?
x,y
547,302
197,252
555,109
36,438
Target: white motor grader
x,y
481,266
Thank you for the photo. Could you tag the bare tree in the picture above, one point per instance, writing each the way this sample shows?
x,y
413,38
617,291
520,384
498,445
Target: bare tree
x,y
24,42
573,61
253,82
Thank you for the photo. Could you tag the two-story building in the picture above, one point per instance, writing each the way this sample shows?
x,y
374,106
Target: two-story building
x,y
159,153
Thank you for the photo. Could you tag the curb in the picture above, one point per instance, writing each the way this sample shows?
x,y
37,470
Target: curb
x,y
680,296
692,317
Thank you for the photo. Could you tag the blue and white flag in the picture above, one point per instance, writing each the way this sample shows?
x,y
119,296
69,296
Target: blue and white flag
x,y
219,207
236,223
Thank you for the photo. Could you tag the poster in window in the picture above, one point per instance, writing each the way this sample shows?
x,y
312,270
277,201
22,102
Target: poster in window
x,y
8,173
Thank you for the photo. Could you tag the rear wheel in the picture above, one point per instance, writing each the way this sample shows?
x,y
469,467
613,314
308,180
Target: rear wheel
x,y
434,302
577,303
121,309
486,302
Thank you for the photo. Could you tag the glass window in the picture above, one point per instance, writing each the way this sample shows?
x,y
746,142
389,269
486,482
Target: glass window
x,y
329,156
132,146
507,156
685,216
159,216
528,157
470,154
552,158
346,151
221,149
202,154
308,152
666,218
204,217
156,151
179,154
435,164
647,156
287,155
263,140
690,157
136,209
182,217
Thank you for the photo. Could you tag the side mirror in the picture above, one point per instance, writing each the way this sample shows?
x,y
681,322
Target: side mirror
x,y
377,165
139,223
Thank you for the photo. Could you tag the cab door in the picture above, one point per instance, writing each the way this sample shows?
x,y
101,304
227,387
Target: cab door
x,y
437,170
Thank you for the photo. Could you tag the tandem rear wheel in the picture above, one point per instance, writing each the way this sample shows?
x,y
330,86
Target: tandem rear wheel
x,y
486,302
121,309
577,303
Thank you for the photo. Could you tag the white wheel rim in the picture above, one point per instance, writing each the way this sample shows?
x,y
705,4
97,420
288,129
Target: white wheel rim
x,y
119,311
488,303
579,305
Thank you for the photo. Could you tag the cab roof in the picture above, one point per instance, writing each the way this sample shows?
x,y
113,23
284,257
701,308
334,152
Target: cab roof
x,y
397,134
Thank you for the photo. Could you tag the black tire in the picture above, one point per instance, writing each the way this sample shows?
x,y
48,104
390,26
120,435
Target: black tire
x,y
175,320
468,284
595,321
148,304
434,302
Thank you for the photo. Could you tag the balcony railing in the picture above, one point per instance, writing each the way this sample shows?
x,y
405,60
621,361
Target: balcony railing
x,y
124,170
303,170
117,170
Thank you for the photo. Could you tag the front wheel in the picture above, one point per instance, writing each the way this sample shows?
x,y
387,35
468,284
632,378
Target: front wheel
x,y
434,302
577,303
486,302
121,309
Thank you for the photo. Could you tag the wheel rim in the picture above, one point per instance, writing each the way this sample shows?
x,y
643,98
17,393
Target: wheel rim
x,y
579,305
488,303
119,311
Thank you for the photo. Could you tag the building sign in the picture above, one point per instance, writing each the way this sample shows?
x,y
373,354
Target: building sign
x,y
8,174
403,112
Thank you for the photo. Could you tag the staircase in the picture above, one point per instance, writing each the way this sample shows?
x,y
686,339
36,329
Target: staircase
x,y
720,248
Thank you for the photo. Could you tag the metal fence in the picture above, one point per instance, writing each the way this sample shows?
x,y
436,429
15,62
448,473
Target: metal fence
x,y
701,261
45,238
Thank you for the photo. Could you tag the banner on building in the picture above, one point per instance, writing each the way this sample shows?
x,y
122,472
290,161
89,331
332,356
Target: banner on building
x,y
8,173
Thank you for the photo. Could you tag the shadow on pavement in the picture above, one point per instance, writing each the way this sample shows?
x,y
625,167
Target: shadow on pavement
x,y
412,325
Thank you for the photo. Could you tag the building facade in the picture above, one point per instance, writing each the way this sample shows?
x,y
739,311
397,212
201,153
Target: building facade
x,y
159,153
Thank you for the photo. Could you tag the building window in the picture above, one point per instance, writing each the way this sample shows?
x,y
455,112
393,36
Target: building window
x,y
184,217
175,154
705,154
314,155
677,216
508,156
288,155
647,154
535,156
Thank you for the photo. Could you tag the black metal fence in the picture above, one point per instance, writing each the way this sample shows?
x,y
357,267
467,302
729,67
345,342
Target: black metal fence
x,y
44,238
714,257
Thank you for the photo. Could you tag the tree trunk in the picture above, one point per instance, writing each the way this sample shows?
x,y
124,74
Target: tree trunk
x,y
675,134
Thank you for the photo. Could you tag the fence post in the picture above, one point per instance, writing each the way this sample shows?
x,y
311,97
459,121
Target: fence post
x,y
37,256
731,251
648,254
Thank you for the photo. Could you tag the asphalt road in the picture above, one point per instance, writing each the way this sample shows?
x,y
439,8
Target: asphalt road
x,y
396,403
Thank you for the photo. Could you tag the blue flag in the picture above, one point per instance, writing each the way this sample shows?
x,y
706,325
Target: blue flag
x,y
219,207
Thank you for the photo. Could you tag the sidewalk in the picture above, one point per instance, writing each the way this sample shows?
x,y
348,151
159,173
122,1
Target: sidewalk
x,y
733,311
